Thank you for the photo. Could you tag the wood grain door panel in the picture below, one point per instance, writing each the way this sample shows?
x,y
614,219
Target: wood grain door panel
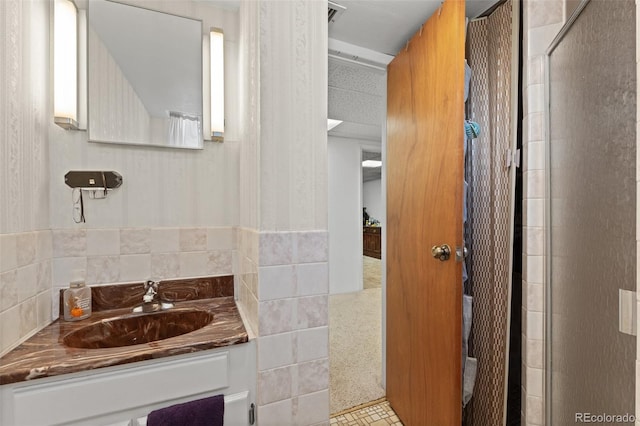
x,y
425,113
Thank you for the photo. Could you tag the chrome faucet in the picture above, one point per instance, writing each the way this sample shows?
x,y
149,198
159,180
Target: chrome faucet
x,y
151,300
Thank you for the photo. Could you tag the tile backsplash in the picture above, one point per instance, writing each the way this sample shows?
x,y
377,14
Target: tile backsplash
x,y
25,286
34,266
134,254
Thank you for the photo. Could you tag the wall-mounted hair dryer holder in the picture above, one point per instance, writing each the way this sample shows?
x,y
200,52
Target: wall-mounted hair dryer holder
x,y
93,181
96,183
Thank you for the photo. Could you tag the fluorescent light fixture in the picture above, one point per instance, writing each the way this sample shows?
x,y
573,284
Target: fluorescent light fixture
x,y
216,43
371,163
65,64
331,123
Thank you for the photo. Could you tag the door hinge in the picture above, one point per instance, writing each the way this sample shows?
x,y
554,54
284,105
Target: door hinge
x,y
252,414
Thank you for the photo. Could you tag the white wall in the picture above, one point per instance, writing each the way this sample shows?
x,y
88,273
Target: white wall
x,y
345,212
293,117
345,216
24,113
372,199
292,285
162,187
25,110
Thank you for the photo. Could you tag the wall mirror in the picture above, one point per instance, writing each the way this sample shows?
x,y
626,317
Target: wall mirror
x,y
144,76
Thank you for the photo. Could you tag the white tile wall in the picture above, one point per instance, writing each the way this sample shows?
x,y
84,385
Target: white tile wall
x,y
165,240
246,276
8,252
129,254
103,242
289,193
135,240
276,414
311,408
541,22
312,278
276,351
274,384
30,279
193,239
276,282
8,290
276,248
135,267
313,376
103,269
277,316
313,311
26,281
535,409
26,245
69,243
293,343
311,246
312,343
25,286
220,238
194,262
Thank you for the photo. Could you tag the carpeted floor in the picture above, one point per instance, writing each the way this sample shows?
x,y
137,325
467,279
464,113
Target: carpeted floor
x,y
355,343
372,272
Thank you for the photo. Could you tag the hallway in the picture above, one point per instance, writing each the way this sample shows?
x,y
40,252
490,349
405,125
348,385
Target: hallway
x,y
355,343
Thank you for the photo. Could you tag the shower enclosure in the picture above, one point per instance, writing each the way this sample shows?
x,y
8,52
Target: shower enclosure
x,y
591,213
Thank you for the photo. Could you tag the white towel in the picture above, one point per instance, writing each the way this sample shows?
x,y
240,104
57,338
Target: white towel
x,y
469,380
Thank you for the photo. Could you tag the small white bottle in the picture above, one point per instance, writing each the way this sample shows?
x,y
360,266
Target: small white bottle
x,y
77,298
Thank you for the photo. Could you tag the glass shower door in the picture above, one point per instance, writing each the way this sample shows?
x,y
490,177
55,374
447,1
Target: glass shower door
x,y
591,218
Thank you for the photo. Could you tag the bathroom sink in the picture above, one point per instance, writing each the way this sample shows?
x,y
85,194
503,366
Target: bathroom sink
x,y
136,329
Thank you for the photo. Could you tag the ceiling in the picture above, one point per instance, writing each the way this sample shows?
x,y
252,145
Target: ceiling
x,y
385,25
371,173
367,28
373,29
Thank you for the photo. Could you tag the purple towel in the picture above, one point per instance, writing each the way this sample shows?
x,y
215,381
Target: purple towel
x,y
201,412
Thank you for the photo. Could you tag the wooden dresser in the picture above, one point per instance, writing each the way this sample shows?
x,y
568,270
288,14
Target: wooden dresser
x,y
372,241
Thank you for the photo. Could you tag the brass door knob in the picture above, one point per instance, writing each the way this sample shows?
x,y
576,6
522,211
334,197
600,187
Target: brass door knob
x,y
441,253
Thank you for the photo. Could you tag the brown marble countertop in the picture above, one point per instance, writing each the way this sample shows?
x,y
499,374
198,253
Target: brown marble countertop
x,y
46,355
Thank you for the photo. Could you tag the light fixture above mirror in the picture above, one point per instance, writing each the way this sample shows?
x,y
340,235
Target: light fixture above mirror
x,y
216,58
65,64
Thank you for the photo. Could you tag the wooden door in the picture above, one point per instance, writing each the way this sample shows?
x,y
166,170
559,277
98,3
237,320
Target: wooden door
x,y
425,113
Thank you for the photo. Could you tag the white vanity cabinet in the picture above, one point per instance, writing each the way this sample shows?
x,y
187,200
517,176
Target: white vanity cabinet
x,y
122,394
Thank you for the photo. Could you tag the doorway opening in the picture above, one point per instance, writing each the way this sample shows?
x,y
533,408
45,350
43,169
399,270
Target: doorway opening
x,y
356,222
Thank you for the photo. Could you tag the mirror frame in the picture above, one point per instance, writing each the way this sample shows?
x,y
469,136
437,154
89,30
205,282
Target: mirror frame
x,y
87,54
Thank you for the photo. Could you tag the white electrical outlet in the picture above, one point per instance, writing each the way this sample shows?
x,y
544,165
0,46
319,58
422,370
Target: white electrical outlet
x,y
627,315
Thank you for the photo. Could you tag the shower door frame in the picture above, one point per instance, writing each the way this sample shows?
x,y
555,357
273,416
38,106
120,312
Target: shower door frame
x,y
547,208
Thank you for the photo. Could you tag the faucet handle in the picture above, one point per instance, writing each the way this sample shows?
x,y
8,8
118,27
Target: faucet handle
x,y
151,287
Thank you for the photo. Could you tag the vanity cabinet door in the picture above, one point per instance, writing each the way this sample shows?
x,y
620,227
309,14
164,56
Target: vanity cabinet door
x,y
371,242
78,399
115,395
